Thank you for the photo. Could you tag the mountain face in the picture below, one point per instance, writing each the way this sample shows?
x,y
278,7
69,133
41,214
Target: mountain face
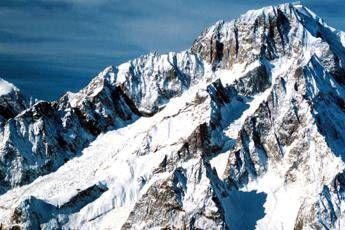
x,y
12,101
245,130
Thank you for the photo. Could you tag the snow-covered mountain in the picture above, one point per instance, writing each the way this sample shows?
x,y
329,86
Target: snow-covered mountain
x,y
12,101
244,130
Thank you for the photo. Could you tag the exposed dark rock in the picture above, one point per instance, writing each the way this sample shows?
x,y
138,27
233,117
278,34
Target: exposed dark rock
x,y
255,81
161,205
34,213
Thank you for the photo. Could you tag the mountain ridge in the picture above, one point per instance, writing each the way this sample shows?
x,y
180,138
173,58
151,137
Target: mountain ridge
x,y
253,111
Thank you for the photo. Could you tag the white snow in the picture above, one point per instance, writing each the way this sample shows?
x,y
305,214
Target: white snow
x,y
237,71
342,37
122,158
284,200
280,67
123,69
6,87
112,159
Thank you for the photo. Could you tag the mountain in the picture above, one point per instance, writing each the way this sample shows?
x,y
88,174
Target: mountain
x,y
12,101
244,130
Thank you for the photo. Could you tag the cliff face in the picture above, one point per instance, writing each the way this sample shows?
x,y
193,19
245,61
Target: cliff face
x,y
242,131
12,101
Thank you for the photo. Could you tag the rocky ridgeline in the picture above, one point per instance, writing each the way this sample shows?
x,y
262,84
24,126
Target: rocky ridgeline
x,y
48,134
274,132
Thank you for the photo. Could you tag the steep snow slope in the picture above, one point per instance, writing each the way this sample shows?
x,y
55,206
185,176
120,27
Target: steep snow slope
x,y
46,135
242,131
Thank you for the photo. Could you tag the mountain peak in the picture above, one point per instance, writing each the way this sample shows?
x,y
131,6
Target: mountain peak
x,y
6,87
244,130
12,102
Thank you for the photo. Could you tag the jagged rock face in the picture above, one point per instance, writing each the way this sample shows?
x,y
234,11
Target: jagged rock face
x,y
12,104
47,135
230,134
270,33
153,79
12,101
33,213
254,82
326,211
257,34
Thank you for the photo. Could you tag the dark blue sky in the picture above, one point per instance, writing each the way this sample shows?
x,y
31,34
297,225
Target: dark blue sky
x,y
50,46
